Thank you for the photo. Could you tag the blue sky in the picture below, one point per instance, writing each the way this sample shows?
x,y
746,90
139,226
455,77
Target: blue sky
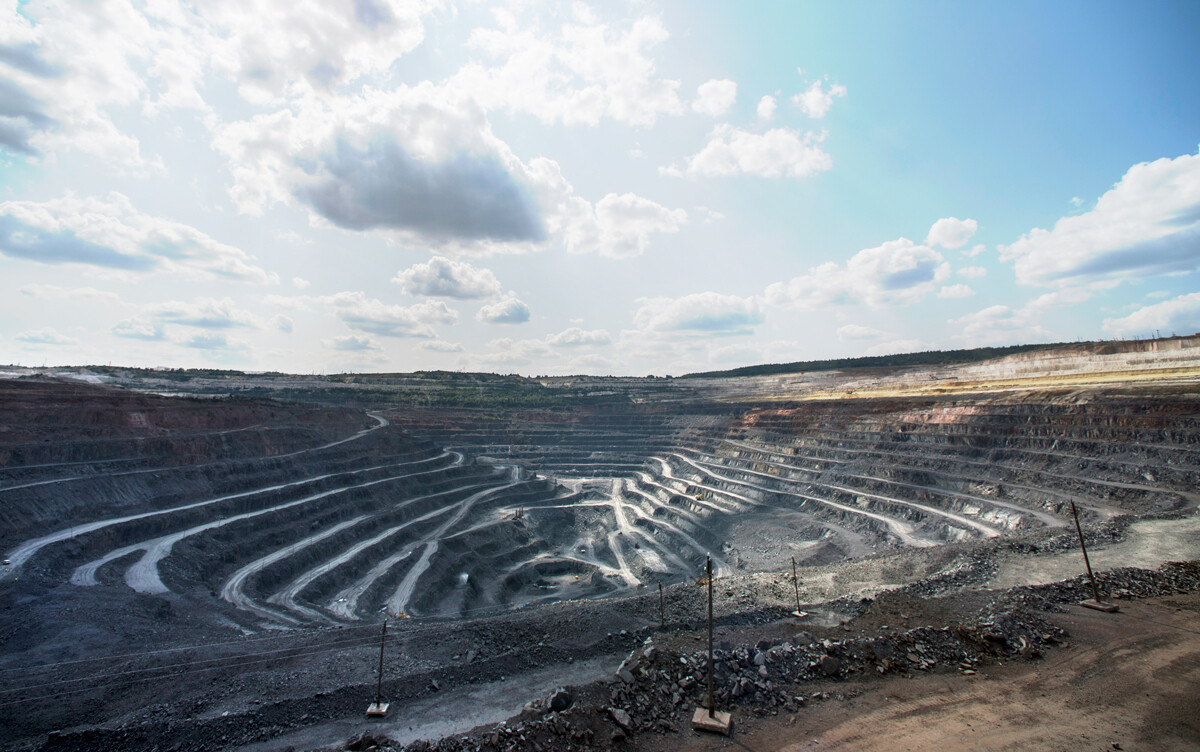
x,y
617,188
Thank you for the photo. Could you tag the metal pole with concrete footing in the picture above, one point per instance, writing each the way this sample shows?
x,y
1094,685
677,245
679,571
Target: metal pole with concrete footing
x,y
379,708
711,719
1095,602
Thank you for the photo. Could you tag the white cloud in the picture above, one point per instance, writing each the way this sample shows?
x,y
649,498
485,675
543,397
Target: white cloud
x,y
47,336
766,107
109,233
780,152
364,314
507,311
211,341
74,294
1002,324
1148,224
896,346
508,353
282,323
951,233
420,165
272,46
575,337
350,343
619,226
898,272
1179,315
577,75
442,346
1076,201
203,313
974,251
715,97
856,332
953,292
300,283
446,278
734,355
705,312
148,331
972,272
816,101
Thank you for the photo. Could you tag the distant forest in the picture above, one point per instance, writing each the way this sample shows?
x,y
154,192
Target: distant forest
x,y
927,358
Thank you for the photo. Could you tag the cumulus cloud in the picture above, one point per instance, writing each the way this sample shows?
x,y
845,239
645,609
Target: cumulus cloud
x,y
974,251
1002,324
953,292
579,74
620,226
282,323
507,311
270,45
951,233
47,336
780,152
1148,224
446,278
815,101
766,107
350,343
421,165
896,273
972,272
1179,315
705,312
715,97
575,337
382,185
110,233
300,283
851,332
373,316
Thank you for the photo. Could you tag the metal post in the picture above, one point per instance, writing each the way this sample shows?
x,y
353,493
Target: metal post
x,y
796,584
1082,547
712,702
379,684
662,610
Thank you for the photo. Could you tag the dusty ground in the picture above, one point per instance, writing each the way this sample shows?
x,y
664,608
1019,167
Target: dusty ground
x,y
1124,681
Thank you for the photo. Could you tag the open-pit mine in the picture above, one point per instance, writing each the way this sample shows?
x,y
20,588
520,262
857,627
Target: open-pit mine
x,y
204,560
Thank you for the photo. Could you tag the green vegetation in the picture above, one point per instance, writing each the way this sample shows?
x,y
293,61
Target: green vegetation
x,y
928,358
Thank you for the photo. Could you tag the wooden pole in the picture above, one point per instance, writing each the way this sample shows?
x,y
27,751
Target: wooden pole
x,y
662,610
796,585
712,701
379,683
1082,547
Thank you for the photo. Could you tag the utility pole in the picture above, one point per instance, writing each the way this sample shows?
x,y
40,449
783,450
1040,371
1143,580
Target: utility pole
x,y
379,708
1094,603
662,610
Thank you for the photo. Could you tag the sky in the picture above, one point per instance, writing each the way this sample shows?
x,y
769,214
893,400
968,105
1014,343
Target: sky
x,y
617,188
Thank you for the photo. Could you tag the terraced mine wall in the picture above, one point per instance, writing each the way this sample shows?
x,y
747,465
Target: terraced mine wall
x,y
134,522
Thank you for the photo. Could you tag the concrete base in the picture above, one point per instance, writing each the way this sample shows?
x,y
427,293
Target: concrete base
x,y
378,709
799,614
1108,608
717,723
